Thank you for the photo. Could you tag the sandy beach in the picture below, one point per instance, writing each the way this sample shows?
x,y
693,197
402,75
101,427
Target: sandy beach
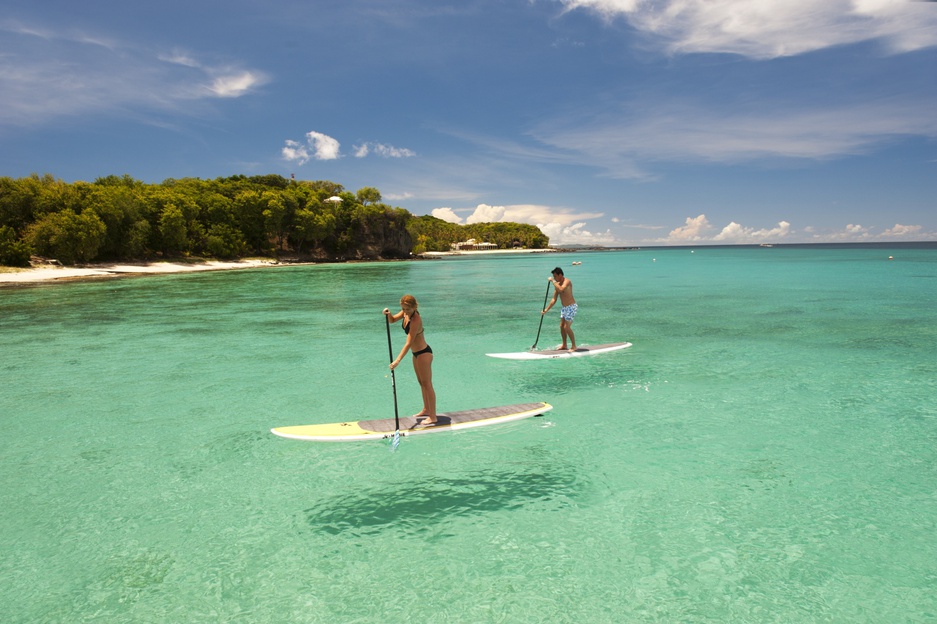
x,y
47,272
51,272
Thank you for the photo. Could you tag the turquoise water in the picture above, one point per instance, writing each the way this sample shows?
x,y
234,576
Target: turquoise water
x,y
765,452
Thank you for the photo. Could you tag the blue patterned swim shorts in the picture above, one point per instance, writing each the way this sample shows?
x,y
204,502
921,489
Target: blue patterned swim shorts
x,y
568,313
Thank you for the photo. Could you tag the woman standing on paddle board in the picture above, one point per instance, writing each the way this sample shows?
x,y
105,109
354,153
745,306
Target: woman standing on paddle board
x,y
422,354
563,288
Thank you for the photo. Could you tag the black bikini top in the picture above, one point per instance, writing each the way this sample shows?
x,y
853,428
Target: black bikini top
x,y
406,328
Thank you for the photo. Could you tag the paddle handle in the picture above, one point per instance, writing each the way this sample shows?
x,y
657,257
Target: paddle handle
x,y
542,308
393,379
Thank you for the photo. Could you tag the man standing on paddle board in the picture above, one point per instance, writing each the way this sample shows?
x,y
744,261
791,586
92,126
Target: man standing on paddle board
x,y
563,288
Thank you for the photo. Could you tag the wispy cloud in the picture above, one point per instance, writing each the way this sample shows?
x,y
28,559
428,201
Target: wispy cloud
x,y
320,146
760,29
625,141
235,83
625,144
384,151
46,74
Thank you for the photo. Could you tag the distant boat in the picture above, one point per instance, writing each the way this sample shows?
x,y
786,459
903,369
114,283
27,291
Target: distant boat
x,y
766,245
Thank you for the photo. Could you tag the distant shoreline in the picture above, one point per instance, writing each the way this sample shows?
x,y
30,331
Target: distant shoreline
x,y
52,273
487,252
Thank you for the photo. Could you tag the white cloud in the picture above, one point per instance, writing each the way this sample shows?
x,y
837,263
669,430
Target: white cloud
x,y
487,214
763,29
852,233
324,146
528,213
903,231
446,214
736,234
698,230
294,151
691,232
575,234
564,227
319,146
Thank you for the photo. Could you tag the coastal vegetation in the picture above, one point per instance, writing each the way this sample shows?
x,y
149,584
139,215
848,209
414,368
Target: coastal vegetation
x,y
118,218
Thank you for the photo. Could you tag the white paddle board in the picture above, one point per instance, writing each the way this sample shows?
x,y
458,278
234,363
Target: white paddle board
x,y
552,354
385,427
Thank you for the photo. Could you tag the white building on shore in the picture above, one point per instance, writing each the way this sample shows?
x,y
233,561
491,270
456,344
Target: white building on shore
x,y
472,245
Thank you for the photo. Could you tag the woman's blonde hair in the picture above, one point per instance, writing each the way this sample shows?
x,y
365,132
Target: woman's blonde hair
x,y
409,301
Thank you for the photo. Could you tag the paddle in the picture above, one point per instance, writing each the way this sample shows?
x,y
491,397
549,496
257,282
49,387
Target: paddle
x,y
393,381
543,307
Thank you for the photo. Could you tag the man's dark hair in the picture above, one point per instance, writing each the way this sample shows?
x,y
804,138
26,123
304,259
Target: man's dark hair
x,y
557,271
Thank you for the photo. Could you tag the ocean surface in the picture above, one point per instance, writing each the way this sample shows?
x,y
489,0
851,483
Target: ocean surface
x,y
765,452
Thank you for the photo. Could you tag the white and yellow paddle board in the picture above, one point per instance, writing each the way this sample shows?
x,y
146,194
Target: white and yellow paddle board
x,y
385,428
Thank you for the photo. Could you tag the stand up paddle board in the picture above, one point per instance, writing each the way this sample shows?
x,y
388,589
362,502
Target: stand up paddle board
x,y
384,428
552,354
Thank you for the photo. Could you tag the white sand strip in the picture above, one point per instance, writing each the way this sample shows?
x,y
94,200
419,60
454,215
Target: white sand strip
x,y
48,273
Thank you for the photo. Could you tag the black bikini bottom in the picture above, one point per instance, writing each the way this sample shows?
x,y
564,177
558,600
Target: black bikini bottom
x,y
422,351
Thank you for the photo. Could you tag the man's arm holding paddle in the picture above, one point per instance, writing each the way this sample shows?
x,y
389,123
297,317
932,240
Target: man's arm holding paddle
x,y
552,301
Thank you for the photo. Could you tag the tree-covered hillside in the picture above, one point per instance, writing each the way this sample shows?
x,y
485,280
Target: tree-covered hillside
x,y
122,219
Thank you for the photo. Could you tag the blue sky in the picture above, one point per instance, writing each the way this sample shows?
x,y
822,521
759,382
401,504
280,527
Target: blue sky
x,y
611,122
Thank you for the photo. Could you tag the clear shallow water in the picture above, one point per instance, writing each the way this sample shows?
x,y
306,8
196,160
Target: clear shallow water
x,y
765,452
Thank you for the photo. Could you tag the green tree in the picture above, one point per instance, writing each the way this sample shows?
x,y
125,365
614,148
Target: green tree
x,y
279,207
172,231
223,241
368,195
68,237
314,226
16,204
138,245
120,207
13,252
249,210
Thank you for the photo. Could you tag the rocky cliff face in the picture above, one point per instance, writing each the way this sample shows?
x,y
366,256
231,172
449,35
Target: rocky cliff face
x,y
386,241
390,240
